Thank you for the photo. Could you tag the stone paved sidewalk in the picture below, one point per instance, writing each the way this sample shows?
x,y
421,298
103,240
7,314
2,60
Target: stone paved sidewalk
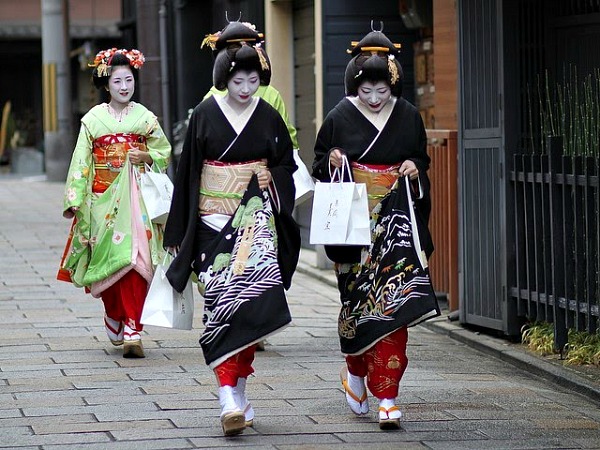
x,y
63,386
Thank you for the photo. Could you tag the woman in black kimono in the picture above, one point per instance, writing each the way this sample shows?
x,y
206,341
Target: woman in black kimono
x,y
230,218
385,287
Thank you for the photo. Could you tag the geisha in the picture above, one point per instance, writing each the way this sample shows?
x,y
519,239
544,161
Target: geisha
x,y
113,246
230,220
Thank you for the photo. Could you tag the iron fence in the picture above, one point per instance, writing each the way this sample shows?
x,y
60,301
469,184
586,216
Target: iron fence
x,y
557,240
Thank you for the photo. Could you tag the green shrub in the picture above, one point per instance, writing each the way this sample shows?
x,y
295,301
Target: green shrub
x,y
582,349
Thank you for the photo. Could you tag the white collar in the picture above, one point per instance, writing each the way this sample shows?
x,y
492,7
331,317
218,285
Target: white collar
x,y
378,119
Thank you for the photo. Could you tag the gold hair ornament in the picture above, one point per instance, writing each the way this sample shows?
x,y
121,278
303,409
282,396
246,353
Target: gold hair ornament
x,y
372,49
261,56
211,39
393,69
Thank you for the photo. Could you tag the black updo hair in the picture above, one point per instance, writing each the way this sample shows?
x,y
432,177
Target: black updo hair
x,y
118,59
239,47
236,57
236,32
373,66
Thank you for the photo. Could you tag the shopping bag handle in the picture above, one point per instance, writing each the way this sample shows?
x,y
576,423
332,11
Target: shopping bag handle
x,y
413,222
338,172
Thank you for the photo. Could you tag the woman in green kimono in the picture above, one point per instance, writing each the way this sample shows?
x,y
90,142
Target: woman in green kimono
x,y
113,246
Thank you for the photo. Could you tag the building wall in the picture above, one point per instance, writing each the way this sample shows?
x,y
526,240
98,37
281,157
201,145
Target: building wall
x,y
22,18
20,40
279,42
445,57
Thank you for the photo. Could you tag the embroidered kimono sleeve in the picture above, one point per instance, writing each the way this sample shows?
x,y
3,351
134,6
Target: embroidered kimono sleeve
x,y
158,146
80,171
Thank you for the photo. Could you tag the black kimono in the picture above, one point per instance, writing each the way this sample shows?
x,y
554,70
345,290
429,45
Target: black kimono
x,y
385,286
345,127
240,309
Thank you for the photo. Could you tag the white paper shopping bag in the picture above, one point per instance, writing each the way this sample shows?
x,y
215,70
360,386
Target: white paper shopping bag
x,y
157,191
340,214
303,181
359,224
164,306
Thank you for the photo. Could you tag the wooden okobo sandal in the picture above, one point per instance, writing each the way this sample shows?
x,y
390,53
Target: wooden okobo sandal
x,y
385,421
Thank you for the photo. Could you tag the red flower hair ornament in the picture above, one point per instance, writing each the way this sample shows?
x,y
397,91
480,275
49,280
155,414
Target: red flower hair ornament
x,y
103,59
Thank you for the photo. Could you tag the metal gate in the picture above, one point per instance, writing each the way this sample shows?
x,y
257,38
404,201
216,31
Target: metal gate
x,y
481,154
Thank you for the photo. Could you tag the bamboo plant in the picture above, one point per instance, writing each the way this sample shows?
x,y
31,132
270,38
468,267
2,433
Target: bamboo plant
x,y
568,108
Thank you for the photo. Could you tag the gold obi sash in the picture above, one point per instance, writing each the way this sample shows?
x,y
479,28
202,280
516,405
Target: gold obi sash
x,y
222,185
109,153
378,179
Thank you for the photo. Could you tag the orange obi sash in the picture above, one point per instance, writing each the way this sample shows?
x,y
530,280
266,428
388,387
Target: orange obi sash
x,y
109,153
222,185
378,178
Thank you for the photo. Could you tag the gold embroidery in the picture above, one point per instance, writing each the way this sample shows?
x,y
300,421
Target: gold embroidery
x,y
222,186
378,182
393,362
244,251
384,383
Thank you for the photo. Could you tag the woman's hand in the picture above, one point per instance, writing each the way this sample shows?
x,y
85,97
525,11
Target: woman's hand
x,y
139,157
264,178
409,169
335,158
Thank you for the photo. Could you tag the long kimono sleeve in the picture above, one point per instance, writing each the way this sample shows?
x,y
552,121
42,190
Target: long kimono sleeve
x,y
180,230
421,158
282,168
323,146
273,97
80,171
423,204
158,145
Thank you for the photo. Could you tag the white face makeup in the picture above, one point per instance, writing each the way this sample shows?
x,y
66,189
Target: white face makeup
x,y
121,84
242,86
374,95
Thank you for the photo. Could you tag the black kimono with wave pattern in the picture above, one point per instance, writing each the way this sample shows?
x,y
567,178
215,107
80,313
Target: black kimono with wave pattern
x,y
386,286
264,136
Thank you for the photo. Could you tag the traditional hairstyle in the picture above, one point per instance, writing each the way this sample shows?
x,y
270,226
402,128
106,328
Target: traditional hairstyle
x,y
105,60
238,47
375,58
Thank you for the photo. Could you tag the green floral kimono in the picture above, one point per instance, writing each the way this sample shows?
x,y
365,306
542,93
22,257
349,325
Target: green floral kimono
x,y
111,232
